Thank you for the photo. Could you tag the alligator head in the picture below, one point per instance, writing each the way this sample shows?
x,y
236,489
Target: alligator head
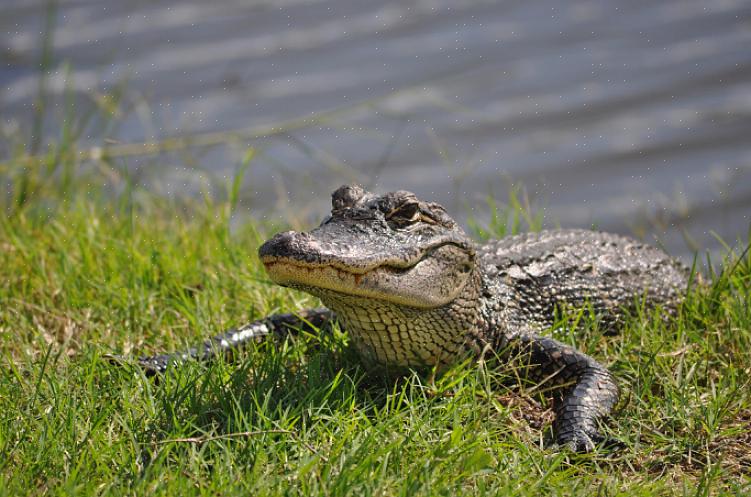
x,y
378,261
393,247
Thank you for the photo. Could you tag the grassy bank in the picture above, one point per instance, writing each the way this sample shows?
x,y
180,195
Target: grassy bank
x,y
92,271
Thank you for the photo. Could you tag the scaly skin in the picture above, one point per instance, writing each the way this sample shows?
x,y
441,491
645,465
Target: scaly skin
x,y
414,291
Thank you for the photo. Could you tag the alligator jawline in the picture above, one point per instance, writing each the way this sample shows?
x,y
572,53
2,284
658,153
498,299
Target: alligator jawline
x,y
300,267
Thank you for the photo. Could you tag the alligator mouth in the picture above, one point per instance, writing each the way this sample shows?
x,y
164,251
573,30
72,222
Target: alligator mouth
x,y
271,263
401,282
360,267
275,267
331,278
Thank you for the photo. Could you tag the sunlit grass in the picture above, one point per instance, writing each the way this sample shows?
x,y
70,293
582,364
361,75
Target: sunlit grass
x,y
87,270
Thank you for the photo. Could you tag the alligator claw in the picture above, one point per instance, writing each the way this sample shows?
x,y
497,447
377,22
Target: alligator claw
x,y
584,443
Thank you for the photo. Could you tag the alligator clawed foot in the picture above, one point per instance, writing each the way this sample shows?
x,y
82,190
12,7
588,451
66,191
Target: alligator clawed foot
x,y
584,443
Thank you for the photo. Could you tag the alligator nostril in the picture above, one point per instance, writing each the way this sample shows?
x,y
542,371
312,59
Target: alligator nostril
x,y
278,244
285,236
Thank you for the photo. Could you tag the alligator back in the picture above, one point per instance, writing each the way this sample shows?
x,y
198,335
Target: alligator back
x,y
535,273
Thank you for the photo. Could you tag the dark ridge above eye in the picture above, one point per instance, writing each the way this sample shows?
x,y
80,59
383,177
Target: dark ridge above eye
x,y
347,196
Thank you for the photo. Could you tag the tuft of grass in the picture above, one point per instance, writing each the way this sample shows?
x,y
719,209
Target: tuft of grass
x,y
87,270
511,218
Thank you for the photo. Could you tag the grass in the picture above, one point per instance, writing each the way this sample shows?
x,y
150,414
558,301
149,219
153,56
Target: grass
x,y
90,265
87,270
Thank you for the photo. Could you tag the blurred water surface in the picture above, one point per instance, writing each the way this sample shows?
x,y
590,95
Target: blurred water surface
x,y
633,116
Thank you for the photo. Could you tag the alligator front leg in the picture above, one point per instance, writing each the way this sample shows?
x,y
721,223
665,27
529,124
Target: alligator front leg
x,y
280,325
587,392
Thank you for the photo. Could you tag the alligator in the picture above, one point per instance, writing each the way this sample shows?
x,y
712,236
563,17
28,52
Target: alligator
x,y
414,291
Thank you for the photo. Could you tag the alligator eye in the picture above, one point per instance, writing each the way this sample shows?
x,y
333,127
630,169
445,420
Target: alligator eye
x,y
405,214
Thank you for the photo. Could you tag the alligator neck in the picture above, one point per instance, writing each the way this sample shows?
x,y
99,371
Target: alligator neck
x,y
396,336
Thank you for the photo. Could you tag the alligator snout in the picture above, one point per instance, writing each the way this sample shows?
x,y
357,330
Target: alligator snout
x,y
285,244
292,246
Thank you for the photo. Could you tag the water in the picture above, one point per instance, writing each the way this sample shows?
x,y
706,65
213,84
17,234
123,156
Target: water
x,y
633,116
